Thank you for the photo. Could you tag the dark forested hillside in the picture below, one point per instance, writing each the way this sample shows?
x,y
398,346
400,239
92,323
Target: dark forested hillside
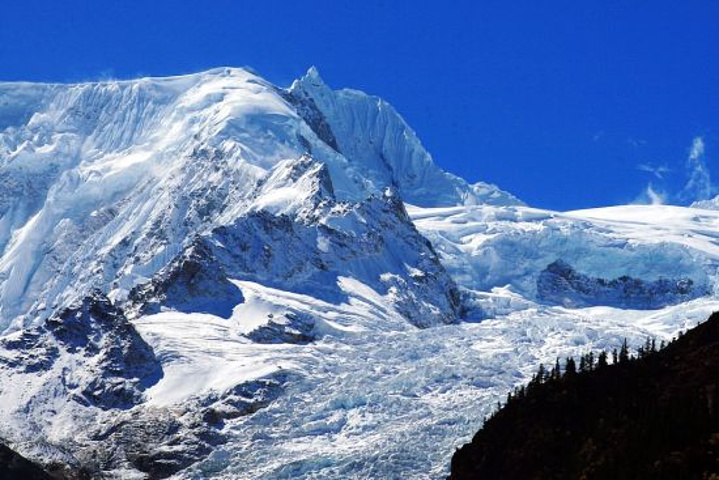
x,y
653,417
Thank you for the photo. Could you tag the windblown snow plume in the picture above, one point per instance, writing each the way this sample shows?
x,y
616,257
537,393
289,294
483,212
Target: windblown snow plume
x,y
699,185
651,196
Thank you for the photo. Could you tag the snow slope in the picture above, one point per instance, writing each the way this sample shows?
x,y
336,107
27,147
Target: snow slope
x,y
102,184
312,296
488,247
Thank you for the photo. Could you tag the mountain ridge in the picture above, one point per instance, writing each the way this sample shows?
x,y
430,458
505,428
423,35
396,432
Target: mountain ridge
x,y
98,171
305,284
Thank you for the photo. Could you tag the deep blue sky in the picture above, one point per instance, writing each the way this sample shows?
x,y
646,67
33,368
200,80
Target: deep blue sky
x,y
557,102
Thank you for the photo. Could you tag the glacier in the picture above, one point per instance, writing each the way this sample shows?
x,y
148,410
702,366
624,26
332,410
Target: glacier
x,y
211,276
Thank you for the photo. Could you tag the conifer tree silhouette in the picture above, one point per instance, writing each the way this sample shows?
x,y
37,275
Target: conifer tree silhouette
x,y
570,367
602,359
624,352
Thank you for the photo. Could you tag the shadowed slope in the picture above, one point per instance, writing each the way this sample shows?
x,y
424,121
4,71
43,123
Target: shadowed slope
x,y
655,417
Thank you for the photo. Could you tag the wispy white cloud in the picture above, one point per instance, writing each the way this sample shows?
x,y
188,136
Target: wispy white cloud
x,y
696,184
636,142
658,171
655,197
699,184
697,150
651,196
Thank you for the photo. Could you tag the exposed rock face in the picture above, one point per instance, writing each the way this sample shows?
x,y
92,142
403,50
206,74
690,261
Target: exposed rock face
x,y
29,351
157,442
309,255
288,328
307,109
162,441
193,282
303,243
113,363
561,284
125,364
241,400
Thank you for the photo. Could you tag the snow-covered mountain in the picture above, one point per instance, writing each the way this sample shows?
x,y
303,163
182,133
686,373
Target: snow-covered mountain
x,y
105,184
711,204
210,275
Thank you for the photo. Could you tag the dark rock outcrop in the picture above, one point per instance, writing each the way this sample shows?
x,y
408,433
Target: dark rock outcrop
x,y
290,327
29,351
280,252
307,109
158,442
561,284
125,364
117,364
193,282
242,399
306,250
163,441
14,466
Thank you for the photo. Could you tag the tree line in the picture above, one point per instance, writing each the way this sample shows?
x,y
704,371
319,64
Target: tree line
x,y
586,363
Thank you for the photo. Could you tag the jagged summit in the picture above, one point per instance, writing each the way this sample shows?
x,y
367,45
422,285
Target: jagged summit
x,y
389,149
311,79
90,172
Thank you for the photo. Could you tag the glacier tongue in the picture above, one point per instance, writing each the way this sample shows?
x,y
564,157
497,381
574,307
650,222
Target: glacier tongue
x,y
397,405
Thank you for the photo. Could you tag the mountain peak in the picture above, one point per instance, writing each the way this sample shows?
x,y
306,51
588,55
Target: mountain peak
x,y
311,82
313,75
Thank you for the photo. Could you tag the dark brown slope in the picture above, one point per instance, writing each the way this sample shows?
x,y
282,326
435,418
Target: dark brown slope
x,y
15,467
656,417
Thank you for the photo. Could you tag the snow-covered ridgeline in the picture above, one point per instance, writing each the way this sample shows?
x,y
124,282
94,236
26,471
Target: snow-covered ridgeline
x,y
489,247
102,184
